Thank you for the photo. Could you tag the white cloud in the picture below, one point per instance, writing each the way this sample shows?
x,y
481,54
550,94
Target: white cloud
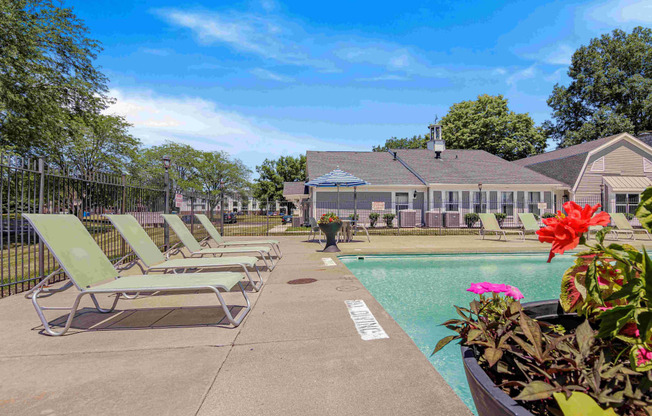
x,y
392,57
621,11
267,37
521,75
388,77
265,74
202,124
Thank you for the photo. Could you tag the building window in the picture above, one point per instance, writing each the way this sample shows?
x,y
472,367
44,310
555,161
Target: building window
x,y
627,203
507,203
647,166
479,201
533,202
598,165
452,201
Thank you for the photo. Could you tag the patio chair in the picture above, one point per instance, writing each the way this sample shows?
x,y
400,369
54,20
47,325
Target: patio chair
x,y
153,260
314,227
195,249
82,260
217,237
593,230
490,224
625,228
529,222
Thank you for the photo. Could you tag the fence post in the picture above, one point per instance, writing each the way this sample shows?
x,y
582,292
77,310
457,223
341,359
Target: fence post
x,y
123,209
222,212
192,214
267,217
166,210
41,203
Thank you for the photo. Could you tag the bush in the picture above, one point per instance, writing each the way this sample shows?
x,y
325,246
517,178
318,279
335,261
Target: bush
x,y
500,217
471,219
354,217
629,216
373,219
548,215
389,220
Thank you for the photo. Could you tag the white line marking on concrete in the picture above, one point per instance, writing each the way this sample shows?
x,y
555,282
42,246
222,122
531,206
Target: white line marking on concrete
x,y
365,322
328,261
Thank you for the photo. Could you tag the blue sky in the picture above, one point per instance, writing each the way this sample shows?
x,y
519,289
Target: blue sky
x,y
264,78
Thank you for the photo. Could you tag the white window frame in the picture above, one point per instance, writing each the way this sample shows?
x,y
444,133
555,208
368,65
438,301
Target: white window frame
x,y
501,205
598,165
447,202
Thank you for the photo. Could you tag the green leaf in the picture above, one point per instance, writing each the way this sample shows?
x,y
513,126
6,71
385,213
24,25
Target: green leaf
x,y
585,338
592,285
613,320
647,273
581,404
601,234
628,290
644,210
493,355
473,334
645,324
633,359
532,331
536,390
443,342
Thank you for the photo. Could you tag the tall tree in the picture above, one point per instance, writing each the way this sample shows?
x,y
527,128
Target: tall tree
x,y
415,142
610,90
272,174
47,76
148,169
217,173
488,124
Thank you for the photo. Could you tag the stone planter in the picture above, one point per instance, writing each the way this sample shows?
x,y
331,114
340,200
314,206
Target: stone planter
x,y
489,399
330,231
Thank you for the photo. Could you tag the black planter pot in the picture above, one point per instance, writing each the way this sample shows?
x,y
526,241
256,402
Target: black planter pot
x,y
489,399
330,231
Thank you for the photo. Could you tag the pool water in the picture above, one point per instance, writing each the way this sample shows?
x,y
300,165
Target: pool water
x,y
419,292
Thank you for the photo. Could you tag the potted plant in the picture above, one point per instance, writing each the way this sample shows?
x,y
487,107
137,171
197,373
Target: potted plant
x,y
588,353
500,217
373,219
471,219
330,224
389,219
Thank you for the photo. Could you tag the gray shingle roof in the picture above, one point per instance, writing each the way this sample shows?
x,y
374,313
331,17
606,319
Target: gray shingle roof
x,y
469,167
564,165
377,168
294,188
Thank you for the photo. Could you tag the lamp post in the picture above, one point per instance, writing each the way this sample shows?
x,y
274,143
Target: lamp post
x,y
221,188
602,196
480,196
166,209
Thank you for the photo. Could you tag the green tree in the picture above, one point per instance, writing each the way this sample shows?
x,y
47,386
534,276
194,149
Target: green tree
x,y
147,168
272,174
415,142
47,76
488,124
610,90
217,173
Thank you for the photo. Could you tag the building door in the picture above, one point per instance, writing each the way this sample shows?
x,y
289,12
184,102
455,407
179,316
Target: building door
x,y
402,201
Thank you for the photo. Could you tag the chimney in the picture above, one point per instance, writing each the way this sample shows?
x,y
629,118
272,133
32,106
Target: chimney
x,y
395,154
436,143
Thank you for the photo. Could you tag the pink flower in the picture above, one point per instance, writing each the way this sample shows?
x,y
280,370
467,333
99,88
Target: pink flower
x,y
514,293
644,356
484,287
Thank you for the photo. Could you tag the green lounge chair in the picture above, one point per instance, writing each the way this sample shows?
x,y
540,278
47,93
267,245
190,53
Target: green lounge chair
x,y
195,249
529,222
217,237
153,260
87,267
625,228
490,224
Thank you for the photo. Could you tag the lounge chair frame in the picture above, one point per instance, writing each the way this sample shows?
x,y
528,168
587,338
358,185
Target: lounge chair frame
x,y
212,233
35,293
627,231
501,233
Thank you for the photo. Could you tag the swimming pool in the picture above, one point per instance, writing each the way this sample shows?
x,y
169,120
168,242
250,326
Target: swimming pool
x,y
419,292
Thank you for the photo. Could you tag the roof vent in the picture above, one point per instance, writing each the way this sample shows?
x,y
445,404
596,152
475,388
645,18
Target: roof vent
x,y
395,155
436,143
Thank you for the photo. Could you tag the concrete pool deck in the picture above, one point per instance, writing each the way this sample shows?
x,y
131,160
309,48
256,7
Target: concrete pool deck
x,y
297,353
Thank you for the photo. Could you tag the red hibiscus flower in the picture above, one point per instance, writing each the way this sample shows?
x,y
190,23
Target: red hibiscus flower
x,y
564,231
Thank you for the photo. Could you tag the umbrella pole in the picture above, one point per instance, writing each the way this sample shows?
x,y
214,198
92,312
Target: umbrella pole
x,y
338,201
355,204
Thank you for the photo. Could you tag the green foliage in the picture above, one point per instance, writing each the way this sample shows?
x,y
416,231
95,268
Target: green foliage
x,y
389,219
48,82
415,142
610,89
548,215
373,219
644,210
471,219
488,124
218,175
354,217
500,217
272,174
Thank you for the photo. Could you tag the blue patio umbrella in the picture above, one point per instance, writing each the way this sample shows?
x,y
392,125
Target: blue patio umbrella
x,y
336,179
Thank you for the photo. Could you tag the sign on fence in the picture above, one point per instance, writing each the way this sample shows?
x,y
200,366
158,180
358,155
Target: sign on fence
x,y
178,200
542,205
377,206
